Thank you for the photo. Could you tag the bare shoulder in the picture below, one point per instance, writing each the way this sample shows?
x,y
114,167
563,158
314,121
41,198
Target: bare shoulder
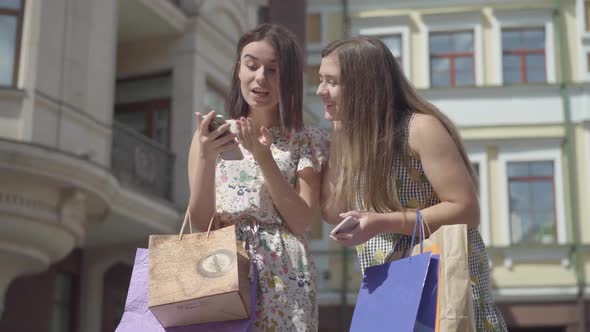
x,y
426,130
424,122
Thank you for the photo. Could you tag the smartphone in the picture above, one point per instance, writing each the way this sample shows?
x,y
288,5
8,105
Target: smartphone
x,y
348,224
233,154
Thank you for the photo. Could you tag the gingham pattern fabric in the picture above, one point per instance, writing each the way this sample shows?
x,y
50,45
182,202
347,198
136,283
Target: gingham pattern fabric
x,y
415,192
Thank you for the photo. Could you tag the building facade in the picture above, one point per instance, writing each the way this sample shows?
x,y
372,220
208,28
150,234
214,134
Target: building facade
x,y
96,116
515,78
96,102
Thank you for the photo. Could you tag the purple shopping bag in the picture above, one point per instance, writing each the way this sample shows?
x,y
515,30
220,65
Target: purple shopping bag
x,y
401,295
137,317
390,295
426,320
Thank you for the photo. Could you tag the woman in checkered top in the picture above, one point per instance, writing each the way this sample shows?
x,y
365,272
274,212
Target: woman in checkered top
x,y
393,152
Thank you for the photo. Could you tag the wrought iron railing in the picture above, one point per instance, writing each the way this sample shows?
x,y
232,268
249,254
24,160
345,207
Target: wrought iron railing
x,y
175,2
141,163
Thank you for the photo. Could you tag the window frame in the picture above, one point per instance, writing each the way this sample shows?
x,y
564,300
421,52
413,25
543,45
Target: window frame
x,y
522,54
526,18
400,59
529,180
455,23
317,46
71,266
541,150
19,14
451,56
149,107
403,31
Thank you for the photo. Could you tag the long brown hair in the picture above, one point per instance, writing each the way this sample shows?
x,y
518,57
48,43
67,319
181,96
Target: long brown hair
x,y
290,78
375,98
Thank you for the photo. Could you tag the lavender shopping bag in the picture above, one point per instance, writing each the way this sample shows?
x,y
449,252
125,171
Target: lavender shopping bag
x,y
138,317
401,295
390,295
427,311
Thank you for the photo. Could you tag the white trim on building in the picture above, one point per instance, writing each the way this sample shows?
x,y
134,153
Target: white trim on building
x,y
533,294
478,154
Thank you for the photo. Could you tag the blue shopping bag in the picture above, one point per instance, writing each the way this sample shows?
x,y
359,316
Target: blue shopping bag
x,y
426,319
399,296
137,316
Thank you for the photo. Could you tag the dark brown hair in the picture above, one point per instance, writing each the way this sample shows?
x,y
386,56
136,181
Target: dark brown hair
x,y
375,98
290,75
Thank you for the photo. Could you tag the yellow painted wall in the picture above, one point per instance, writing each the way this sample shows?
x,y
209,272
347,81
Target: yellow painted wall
x,y
417,52
334,26
585,257
583,181
513,132
490,66
570,30
494,193
536,274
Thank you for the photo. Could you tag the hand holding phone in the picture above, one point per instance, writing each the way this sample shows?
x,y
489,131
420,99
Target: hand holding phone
x,y
233,154
345,226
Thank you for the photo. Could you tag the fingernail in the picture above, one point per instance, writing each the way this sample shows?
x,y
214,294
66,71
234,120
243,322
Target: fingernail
x,y
197,113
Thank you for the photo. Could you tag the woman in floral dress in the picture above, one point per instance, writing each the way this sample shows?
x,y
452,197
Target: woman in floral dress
x,y
272,194
402,154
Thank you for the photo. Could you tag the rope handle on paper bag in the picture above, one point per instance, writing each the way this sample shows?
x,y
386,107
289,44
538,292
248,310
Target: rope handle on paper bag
x,y
187,218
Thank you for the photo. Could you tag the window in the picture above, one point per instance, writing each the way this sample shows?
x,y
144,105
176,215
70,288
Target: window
x,y
62,303
451,59
588,62
531,192
314,28
394,43
475,166
523,55
11,17
115,286
313,77
214,100
587,14
66,293
143,104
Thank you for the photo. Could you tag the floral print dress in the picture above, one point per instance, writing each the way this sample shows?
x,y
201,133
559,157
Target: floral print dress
x,y
415,192
287,285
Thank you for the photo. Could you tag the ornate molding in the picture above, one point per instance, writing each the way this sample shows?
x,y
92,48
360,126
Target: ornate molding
x,y
21,205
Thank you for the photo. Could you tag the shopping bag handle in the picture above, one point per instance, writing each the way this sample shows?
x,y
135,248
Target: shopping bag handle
x,y
420,223
187,218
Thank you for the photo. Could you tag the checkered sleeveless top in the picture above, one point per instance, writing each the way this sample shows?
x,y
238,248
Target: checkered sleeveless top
x,y
415,192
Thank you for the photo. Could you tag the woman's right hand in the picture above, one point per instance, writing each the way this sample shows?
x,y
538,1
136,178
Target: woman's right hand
x,y
210,144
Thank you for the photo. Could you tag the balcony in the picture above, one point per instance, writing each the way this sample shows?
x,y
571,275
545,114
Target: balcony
x,y
141,164
149,19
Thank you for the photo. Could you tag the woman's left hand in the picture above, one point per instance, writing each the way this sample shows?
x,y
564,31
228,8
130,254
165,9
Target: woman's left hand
x,y
367,229
257,143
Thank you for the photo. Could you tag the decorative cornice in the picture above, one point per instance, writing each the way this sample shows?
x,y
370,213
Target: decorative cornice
x,y
19,205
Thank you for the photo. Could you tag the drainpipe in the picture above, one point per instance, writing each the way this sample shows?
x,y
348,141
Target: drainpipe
x,y
569,147
345,19
344,250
